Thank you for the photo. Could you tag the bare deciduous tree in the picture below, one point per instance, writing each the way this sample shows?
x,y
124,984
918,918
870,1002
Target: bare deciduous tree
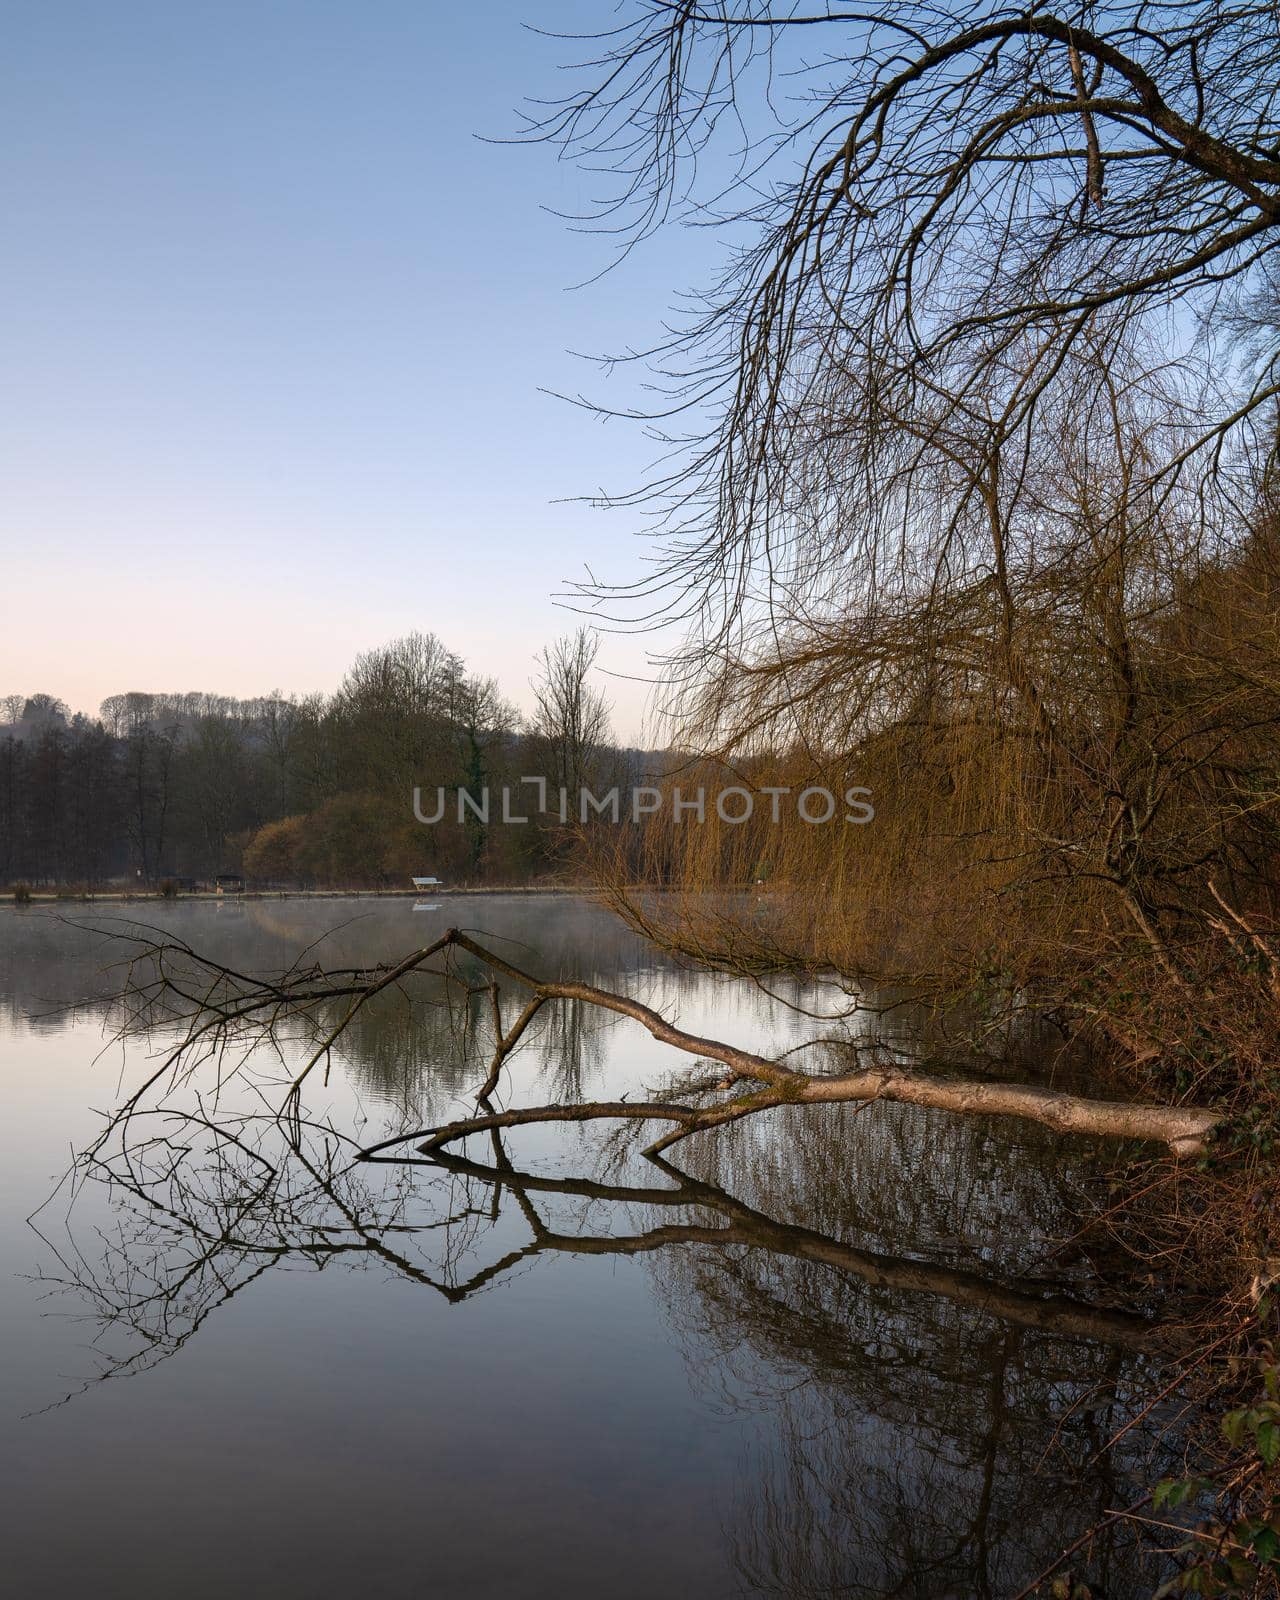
x,y
570,716
952,200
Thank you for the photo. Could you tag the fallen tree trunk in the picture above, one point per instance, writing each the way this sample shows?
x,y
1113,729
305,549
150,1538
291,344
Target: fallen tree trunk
x,y
1183,1129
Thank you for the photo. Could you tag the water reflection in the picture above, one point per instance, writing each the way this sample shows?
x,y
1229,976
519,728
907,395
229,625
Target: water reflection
x,y
931,1381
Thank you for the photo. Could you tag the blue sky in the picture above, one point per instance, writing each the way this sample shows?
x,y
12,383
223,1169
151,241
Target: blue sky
x,y
274,325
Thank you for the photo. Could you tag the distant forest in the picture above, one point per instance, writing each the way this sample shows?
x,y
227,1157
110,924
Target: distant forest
x,y
314,791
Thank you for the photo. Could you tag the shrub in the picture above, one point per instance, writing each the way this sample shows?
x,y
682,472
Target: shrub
x,y
22,894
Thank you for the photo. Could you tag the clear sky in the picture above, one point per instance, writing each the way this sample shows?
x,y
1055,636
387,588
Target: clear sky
x,y
273,329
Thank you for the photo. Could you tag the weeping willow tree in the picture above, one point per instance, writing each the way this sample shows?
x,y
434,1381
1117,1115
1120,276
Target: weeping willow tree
x,y
1073,758
968,490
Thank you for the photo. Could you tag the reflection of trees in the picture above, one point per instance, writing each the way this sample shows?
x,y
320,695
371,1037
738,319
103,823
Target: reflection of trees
x,y
572,1043
917,1453
415,1053
919,1450
404,1053
848,1506
915,1399
72,954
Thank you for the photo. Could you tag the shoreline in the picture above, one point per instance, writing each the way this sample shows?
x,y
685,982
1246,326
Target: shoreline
x,y
208,897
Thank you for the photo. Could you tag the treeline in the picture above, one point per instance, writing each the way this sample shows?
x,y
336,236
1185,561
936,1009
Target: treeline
x,y
313,791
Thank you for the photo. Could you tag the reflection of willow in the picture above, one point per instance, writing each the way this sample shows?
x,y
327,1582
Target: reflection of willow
x,y
914,1397
848,1504
991,1196
928,1444
572,1046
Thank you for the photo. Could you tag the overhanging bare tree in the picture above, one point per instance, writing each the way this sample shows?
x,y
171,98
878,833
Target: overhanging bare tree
x,y
959,442
953,197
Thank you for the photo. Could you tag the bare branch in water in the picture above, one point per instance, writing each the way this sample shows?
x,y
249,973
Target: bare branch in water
x,y
222,1007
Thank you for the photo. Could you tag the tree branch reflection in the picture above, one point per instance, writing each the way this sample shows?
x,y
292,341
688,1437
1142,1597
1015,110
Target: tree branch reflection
x,y
202,1205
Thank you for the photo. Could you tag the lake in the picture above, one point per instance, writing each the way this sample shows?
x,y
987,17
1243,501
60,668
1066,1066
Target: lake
x,y
827,1351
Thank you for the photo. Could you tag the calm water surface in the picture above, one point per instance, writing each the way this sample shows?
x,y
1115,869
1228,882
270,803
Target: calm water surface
x,y
830,1356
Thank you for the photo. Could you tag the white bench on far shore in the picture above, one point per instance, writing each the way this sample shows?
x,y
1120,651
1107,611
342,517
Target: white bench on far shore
x,y
426,883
